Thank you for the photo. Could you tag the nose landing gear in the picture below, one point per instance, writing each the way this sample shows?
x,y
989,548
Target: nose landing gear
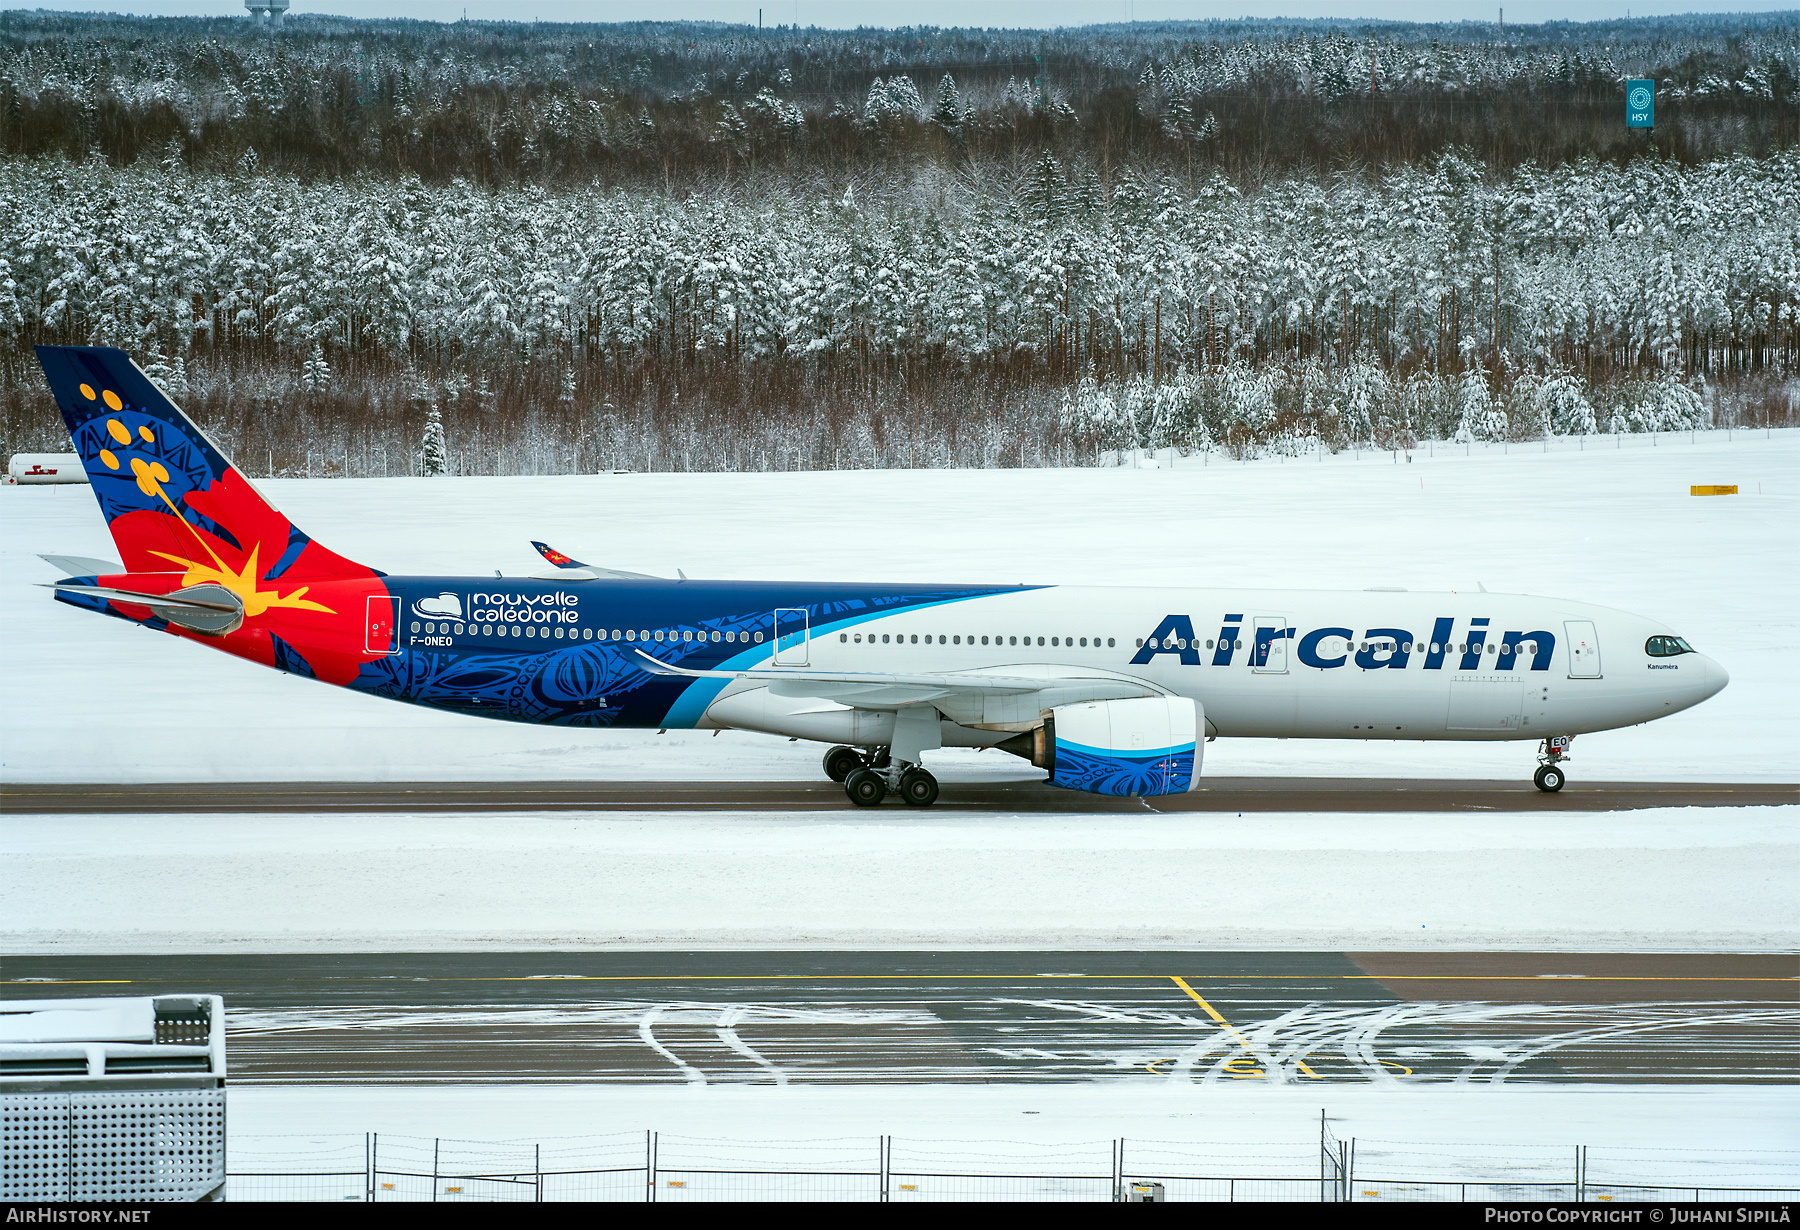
x,y
1549,776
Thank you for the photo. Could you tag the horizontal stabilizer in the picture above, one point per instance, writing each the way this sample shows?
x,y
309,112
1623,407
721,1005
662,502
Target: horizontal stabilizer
x,y
83,566
209,609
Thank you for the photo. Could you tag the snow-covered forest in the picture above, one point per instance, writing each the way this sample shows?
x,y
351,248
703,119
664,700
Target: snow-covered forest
x,y
683,105
943,288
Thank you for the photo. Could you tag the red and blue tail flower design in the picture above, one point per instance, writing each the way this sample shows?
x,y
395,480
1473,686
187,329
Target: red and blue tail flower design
x,y
182,515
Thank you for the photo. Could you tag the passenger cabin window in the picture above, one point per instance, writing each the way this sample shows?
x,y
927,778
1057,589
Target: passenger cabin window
x,y
1666,646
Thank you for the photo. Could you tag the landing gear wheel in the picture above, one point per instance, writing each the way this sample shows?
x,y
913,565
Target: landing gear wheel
x,y
1548,778
865,788
841,762
918,788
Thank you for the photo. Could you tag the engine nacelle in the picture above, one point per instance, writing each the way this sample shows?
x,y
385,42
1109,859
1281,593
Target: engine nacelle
x,y
1130,747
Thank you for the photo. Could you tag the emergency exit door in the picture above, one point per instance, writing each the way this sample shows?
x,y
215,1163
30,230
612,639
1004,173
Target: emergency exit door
x,y
1584,648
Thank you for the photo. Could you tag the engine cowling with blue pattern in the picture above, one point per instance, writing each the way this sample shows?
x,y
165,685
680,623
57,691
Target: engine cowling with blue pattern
x,y
1146,746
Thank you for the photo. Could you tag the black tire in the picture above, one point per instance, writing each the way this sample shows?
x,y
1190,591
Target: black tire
x,y
841,762
865,788
1548,778
918,788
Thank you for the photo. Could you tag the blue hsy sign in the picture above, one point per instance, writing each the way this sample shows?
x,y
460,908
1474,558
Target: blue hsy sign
x,y
1640,103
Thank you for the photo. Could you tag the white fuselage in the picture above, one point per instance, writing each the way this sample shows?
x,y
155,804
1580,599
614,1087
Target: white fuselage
x,y
1373,664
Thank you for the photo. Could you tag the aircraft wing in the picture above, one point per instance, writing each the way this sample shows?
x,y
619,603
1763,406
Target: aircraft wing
x,y
571,568
875,691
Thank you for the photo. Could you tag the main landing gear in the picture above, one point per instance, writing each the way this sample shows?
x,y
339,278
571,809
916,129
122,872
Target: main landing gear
x,y
1549,776
868,779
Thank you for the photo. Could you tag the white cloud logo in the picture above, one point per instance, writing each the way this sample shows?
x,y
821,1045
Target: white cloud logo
x,y
444,606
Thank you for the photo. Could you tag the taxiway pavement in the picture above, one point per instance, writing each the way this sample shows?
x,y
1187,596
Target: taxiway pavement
x,y
1223,794
981,1016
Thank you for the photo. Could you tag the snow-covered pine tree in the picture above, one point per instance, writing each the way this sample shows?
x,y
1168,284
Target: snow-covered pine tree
x,y
434,456
11,319
1479,416
1044,192
1565,404
566,394
157,368
946,110
177,387
315,373
1674,406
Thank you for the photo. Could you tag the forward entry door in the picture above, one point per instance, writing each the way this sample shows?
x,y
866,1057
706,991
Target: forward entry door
x,y
791,637
1584,648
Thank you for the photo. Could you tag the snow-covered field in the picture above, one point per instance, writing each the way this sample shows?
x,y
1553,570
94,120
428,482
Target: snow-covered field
x,y
96,700
1729,1136
1678,879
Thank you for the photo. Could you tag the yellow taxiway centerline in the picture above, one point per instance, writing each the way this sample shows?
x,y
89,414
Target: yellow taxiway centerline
x,y
1229,1028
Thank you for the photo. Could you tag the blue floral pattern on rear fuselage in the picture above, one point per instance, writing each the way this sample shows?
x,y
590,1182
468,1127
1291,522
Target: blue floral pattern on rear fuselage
x,y
602,682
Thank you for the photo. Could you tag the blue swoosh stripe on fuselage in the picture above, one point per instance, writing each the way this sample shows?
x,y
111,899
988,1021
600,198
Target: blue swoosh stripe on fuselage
x,y
523,683
699,696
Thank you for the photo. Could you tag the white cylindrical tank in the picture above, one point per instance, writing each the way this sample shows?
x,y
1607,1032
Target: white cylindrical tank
x,y
45,468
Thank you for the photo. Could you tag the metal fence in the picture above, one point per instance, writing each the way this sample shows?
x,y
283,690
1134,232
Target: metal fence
x,y
658,1167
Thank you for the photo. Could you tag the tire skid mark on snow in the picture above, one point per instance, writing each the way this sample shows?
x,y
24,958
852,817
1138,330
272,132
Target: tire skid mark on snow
x,y
728,1034
646,1028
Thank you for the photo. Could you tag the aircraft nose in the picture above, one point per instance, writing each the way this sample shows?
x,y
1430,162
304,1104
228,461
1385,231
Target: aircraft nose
x,y
1713,679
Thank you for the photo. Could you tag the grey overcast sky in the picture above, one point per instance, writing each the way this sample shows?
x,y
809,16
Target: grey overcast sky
x,y
847,13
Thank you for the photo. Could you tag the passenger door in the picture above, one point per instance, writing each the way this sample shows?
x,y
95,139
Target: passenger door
x,y
1269,652
381,630
792,636
1584,648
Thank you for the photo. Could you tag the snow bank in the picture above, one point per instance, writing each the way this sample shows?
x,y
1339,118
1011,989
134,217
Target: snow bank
x,y
96,700
1659,880
1728,1135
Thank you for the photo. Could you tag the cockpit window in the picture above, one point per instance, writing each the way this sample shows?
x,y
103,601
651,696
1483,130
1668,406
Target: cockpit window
x,y
1666,646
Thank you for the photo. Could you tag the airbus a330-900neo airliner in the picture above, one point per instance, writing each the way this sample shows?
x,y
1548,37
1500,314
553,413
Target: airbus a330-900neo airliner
x,y
1112,690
